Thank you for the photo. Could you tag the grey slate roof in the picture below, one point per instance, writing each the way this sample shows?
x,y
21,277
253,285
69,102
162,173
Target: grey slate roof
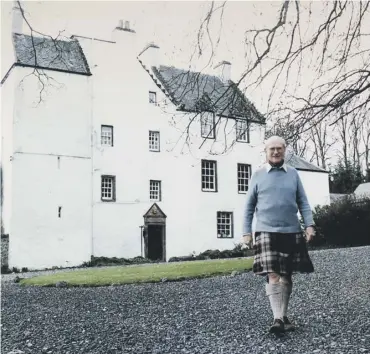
x,y
195,92
50,54
301,164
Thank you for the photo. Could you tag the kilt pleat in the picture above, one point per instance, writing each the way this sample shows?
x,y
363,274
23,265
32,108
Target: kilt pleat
x,y
281,253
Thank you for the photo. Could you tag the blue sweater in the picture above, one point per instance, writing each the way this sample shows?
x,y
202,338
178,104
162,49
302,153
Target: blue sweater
x,y
276,196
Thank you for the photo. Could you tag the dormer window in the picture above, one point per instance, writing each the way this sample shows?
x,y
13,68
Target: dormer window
x,y
207,124
152,97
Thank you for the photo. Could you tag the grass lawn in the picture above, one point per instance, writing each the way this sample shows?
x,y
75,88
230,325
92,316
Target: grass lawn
x,y
143,273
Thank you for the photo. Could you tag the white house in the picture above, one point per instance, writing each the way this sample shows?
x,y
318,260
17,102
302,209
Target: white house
x,y
120,157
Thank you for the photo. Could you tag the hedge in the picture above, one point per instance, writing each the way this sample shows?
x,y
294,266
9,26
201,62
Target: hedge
x,y
343,223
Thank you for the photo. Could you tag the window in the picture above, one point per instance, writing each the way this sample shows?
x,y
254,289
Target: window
x,y
108,188
242,131
107,135
209,176
155,191
152,97
207,125
153,141
244,174
225,224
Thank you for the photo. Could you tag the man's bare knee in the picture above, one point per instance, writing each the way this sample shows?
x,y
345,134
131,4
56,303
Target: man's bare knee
x,y
274,278
286,279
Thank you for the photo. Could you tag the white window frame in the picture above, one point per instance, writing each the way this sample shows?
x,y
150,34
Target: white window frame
x,y
225,222
154,141
155,187
207,125
106,139
209,179
243,181
108,189
153,94
242,130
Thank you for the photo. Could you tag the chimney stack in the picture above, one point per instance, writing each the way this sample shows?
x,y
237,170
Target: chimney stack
x,y
17,18
124,26
125,36
223,70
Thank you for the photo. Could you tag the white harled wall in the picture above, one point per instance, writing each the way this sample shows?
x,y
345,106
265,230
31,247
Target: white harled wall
x,y
316,185
51,169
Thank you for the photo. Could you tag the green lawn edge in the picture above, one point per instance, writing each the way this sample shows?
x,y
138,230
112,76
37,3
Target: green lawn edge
x,y
139,274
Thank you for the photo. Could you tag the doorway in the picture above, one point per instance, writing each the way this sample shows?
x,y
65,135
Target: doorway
x,y
155,233
155,242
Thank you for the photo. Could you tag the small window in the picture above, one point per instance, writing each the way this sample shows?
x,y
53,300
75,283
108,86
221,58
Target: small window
x,y
209,176
155,191
107,135
108,188
225,224
207,125
242,131
152,97
244,174
153,141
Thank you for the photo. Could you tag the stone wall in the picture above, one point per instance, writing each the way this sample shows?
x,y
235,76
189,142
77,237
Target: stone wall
x,y
4,250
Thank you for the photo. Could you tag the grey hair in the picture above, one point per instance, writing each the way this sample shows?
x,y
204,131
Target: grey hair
x,y
274,139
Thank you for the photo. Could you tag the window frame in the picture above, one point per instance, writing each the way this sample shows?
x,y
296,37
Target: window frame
x,y
231,224
159,140
215,176
213,130
101,134
155,97
113,188
159,190
249,176
247,136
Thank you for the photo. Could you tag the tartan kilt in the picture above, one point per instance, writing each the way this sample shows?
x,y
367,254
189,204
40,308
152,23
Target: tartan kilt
x,y
281,253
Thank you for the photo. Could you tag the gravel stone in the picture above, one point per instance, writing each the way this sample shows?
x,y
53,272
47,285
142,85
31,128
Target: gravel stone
x,y
220,315
61,284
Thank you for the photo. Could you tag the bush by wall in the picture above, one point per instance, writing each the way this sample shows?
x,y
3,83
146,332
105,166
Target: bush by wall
x,y
343,223
216,254
112,261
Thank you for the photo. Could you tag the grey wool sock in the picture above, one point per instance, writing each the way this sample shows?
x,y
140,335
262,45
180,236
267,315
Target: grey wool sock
x,y
274,293
286,292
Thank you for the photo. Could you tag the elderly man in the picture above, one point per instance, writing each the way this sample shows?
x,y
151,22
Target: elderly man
x,y
275,195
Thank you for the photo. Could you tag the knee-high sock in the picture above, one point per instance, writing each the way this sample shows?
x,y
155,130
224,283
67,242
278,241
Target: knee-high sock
x,y
286,289
274,292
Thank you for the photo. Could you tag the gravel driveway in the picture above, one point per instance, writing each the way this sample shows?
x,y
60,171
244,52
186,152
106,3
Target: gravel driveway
x,y
218,315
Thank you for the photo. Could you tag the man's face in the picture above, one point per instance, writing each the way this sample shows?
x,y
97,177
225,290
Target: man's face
x,y
275,153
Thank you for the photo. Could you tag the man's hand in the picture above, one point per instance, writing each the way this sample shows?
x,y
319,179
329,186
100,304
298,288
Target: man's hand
x,y
247,239
310,233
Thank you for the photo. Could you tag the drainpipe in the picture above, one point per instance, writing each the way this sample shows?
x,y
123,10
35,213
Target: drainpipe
x,y
141,238
91,78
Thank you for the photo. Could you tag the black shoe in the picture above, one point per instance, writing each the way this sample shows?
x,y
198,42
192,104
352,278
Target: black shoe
x,y
277,326
288,326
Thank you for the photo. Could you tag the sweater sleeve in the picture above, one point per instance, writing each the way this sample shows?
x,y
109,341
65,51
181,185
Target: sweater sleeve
x,y
303,205
250,205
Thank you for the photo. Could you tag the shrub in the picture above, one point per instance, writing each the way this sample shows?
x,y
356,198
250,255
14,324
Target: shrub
x,y
112,261
5,269
236,252
343,223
